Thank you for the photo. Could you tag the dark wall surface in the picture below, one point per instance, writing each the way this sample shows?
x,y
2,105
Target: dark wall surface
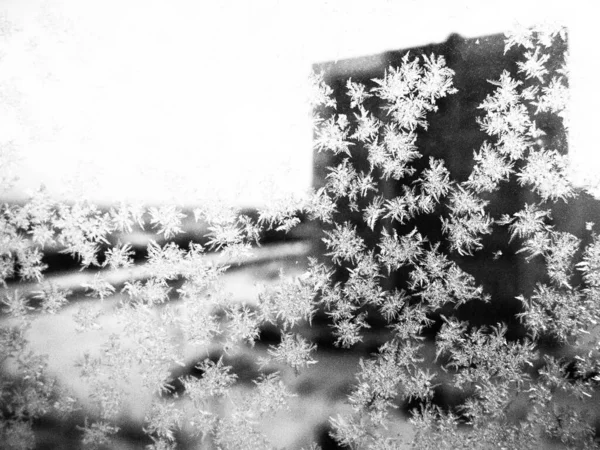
x,y
453,135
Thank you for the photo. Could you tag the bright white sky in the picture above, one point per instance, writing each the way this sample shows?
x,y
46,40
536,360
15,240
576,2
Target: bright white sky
x,y
158,100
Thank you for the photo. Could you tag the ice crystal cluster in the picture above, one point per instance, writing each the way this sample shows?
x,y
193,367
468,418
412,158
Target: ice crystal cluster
x,y
511,389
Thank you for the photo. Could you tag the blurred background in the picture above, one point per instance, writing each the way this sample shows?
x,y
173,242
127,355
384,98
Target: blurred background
x,y
182,100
